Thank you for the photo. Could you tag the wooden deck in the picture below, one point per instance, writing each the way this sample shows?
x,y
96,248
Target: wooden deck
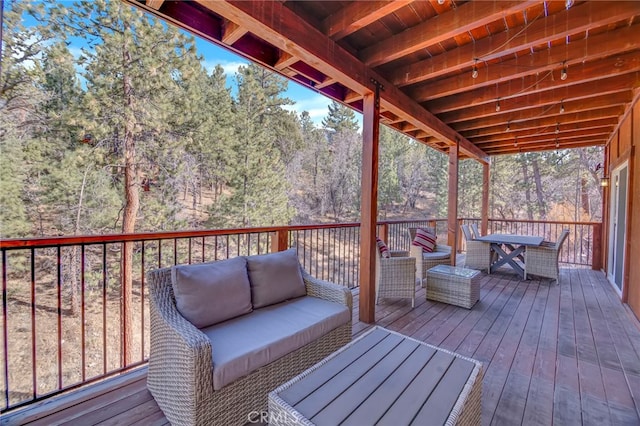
x,y
553,354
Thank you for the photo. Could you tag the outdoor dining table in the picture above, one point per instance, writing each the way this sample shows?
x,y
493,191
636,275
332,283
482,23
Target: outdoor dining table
x,y
516,246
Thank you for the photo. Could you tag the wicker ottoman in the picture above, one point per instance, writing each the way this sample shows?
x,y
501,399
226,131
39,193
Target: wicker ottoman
x,y
452,285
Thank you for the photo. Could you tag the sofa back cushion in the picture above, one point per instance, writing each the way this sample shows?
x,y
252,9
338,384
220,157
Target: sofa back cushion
x,y
209,293
275,277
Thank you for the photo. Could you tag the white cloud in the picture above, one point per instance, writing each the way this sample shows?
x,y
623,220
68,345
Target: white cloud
x,y
315,105
229,67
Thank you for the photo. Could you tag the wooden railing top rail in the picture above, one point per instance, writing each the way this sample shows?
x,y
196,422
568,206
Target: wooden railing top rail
x,y
44,242
552,222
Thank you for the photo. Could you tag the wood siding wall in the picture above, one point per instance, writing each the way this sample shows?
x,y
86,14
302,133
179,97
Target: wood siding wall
x,y
626,143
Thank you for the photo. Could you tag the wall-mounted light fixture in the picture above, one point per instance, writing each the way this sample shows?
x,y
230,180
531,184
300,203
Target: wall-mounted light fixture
x,y
604,180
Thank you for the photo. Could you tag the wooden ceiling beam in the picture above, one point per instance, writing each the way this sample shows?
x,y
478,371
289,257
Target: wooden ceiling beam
x,y
232,32
155,4
611,72
546,146
601,45
539,30
358,15
563,95
504,119
281,28
597,133
501,133
463,18
285,60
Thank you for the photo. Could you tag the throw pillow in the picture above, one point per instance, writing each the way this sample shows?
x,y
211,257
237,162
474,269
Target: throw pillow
x,y
425,239
209,293
275,277
382,248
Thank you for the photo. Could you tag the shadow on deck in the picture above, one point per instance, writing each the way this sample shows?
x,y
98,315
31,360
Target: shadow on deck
x,y
563,354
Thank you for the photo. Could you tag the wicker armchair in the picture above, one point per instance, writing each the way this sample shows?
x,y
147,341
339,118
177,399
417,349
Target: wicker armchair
x,y
180,376
424,261
479,254
542,261
396,276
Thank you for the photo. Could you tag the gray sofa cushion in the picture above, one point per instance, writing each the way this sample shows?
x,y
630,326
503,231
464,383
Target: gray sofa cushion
x,y
244,344
275,277
436,255
209,293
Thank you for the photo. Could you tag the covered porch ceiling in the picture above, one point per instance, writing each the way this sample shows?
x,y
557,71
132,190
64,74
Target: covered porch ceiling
x,y
495,77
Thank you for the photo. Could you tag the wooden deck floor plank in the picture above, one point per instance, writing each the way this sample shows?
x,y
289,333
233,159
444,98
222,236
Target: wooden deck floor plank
x,y
624,335
127,405
94,404
566,330
504,350
141,412
539,405
488,295
585,345
607,355
492,337
510,407
566,396
474,338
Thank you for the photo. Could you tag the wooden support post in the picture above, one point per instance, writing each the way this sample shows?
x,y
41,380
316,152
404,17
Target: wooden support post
x,y
452,218
484,212
280,240
384,232
369,205
596,258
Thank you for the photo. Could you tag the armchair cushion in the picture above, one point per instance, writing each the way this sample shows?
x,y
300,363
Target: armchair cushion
x,y
382,247
209,293
253,341
275,277
426,239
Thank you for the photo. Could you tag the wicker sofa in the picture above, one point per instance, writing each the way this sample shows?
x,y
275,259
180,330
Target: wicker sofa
x,y
221,374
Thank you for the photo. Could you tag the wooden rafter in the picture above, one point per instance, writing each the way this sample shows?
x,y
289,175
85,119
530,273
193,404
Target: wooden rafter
x,y
447,25
539,31
358,15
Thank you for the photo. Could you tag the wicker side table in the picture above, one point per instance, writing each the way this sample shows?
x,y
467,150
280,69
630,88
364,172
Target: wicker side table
x,y
452,285
382,378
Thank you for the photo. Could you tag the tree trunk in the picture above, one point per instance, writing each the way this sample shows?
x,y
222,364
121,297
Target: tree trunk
x,y
542,209
132,204
527,189
584,199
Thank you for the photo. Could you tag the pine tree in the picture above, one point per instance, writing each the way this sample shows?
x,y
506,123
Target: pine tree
x,y
340,118
257,185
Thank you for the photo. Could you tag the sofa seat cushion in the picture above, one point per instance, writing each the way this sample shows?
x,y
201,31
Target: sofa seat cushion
x,y
244,344
436,255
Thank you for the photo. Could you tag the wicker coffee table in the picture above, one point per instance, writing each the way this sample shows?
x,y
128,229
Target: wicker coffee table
x,y
383,378
452,285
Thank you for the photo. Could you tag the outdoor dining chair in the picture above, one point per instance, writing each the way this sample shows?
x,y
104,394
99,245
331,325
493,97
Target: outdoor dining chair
x,y
478,252
543,261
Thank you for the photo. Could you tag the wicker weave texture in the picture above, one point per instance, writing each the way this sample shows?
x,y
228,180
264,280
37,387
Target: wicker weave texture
x,y
396,277
180,376
467,410
543,261
478,255
453,289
